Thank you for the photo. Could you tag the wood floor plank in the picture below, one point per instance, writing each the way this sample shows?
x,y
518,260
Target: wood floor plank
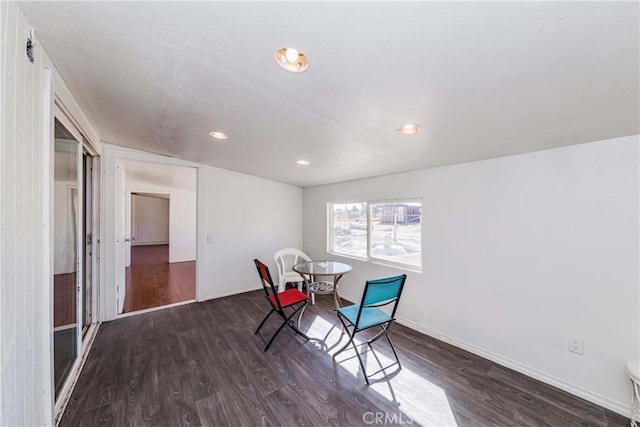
x,y
615,420
570,409
106,415
152,281
476,412
201,364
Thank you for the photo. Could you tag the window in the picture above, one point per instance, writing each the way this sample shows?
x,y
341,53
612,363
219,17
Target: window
x,y
395,234
388,232
349,231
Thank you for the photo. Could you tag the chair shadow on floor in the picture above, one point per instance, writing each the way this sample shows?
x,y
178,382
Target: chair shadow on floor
x,y
321,324
327,335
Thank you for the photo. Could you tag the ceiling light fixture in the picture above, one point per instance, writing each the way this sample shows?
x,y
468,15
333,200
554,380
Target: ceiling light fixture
x,y
303,162
409,129
218,135
291,54
291,59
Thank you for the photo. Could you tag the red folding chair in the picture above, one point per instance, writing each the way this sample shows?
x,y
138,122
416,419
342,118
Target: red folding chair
x,y
279,301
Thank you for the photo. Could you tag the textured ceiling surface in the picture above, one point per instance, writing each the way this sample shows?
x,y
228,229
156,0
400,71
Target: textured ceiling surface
x,y
482,79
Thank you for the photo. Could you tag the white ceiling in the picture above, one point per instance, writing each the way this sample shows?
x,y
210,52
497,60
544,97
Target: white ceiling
x,y
483,79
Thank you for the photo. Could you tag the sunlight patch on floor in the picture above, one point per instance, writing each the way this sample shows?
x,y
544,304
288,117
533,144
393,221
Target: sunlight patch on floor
x,y
321,329
415,398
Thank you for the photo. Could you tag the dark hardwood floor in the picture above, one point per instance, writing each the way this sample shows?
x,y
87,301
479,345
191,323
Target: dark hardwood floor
x,y
151,281
201,364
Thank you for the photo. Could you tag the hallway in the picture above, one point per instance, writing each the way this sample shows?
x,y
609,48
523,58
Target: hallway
x,y
152,281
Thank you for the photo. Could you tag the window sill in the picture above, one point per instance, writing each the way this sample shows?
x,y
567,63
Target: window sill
x,y
412,269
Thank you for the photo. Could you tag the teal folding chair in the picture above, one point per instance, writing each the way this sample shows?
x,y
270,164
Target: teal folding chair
x,y
359,317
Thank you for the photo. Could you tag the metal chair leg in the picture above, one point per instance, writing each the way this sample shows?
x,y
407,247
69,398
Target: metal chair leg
x,y
287,321
344,347
291,324
378,335
263,320
364,371
351,336
274,336
383,332
393,349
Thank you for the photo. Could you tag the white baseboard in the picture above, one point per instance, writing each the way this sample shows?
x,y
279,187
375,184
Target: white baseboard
x,y
349,298
149,310
614,406
149,243
417,327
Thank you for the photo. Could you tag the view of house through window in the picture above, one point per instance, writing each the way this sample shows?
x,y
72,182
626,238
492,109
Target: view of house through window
x,y
349,231
382,231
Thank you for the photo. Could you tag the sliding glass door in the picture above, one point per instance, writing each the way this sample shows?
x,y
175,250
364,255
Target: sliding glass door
x,y
74,205
66,217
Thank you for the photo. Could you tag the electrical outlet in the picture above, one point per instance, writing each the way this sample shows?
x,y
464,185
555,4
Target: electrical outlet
x,y
575,345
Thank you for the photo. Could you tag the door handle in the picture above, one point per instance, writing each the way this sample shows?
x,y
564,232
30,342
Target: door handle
x,y
127,239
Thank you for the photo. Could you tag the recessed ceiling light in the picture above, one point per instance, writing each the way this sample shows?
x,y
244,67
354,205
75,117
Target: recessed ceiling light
x,y
409,129
303,162
291,59
218,135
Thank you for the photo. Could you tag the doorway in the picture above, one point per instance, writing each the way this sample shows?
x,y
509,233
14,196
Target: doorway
x,y
160,229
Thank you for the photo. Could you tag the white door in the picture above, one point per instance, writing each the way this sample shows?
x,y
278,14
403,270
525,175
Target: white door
x,y
121,234
127,224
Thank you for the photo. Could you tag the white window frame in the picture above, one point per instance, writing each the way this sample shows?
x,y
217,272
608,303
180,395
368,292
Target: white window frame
x,y
368,257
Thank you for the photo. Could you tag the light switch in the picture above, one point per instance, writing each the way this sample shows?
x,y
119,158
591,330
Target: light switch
x,y
209,238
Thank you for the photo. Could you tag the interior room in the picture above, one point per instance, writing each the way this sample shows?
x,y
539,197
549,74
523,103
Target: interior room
x,y
401,213
160,222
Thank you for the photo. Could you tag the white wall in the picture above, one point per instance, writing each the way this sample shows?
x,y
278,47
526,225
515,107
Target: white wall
x,y
26,182
25,398
245,218
150,220
519,253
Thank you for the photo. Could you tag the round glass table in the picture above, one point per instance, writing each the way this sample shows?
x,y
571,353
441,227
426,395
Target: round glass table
x,y
313,273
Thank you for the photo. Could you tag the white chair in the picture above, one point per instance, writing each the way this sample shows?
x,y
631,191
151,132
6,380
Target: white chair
x,y
633,369
285,259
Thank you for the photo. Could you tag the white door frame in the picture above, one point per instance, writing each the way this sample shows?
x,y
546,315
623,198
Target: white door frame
x,y
121,235
109,268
